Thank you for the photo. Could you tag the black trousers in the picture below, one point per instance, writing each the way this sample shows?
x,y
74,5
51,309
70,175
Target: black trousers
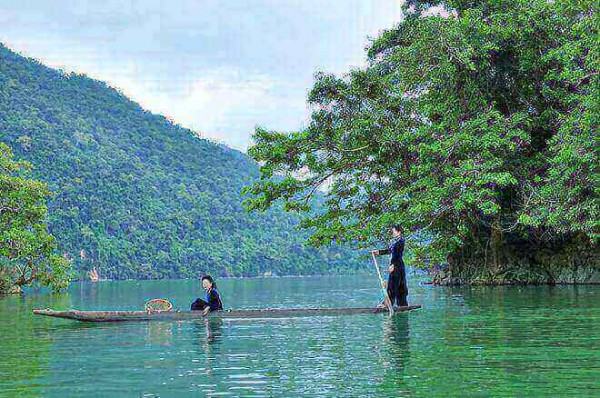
x,y
199,305
397,288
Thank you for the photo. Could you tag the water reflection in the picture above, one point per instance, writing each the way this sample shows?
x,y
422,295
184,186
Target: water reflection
x,y
396,335
208,333
214,328
159,333
503,341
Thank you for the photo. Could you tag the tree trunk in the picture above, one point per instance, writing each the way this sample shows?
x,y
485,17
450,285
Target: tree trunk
x,y
496,245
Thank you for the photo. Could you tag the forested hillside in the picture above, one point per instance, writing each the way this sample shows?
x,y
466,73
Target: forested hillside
x,y
137,196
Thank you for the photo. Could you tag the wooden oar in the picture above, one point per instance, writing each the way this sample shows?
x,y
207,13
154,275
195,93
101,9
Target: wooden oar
x,y
385,293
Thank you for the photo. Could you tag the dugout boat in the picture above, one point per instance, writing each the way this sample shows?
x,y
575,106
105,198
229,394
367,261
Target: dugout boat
x,y
129,316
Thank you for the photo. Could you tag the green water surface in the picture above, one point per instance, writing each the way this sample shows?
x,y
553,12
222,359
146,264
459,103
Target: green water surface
x,y
483,341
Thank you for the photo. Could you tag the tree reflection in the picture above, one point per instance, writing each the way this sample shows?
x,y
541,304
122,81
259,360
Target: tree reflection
x,y
26,342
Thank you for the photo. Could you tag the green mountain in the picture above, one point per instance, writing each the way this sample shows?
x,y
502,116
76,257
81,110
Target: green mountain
x,y
137,196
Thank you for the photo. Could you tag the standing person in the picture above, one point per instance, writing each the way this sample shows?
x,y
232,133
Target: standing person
x,y
213,299
396,287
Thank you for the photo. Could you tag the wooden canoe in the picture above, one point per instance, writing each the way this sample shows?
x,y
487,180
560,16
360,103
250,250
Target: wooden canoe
x,y
122,316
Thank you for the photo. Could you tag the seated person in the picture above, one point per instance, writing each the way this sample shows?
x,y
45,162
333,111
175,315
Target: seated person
x,y
213,300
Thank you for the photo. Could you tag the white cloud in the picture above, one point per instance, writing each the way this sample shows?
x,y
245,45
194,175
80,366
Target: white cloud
x,y
226,104
222,104
219,68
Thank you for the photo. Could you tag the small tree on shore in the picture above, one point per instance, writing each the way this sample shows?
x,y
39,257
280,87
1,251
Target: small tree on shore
x,y
27,250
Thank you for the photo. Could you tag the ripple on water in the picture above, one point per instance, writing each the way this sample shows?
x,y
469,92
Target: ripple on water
x,y
466,341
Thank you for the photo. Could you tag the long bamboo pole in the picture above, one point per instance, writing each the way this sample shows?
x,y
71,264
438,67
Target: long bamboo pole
x,y
385,293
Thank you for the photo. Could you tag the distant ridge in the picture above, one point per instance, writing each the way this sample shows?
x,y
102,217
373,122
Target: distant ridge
x,y
138,196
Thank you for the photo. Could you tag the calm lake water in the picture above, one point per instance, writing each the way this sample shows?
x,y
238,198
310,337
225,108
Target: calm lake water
x,y
501,341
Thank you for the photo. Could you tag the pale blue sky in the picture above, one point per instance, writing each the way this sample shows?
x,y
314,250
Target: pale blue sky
x,y
218,67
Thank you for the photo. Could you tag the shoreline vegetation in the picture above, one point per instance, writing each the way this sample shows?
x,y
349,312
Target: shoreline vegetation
x,y
27,251
429,281
432,280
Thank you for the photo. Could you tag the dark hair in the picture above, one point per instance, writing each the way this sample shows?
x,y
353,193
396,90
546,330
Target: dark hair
x,y
210,279
397,227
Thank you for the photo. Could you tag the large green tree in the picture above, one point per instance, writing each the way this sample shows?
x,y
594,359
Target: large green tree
x,y
474,125
27,251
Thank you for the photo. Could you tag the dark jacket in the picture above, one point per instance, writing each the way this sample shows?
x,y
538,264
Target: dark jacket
x,y
396,249
213,300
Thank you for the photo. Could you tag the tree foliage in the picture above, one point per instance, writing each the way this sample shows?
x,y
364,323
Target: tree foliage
x,y
136,195
27,250
474,125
